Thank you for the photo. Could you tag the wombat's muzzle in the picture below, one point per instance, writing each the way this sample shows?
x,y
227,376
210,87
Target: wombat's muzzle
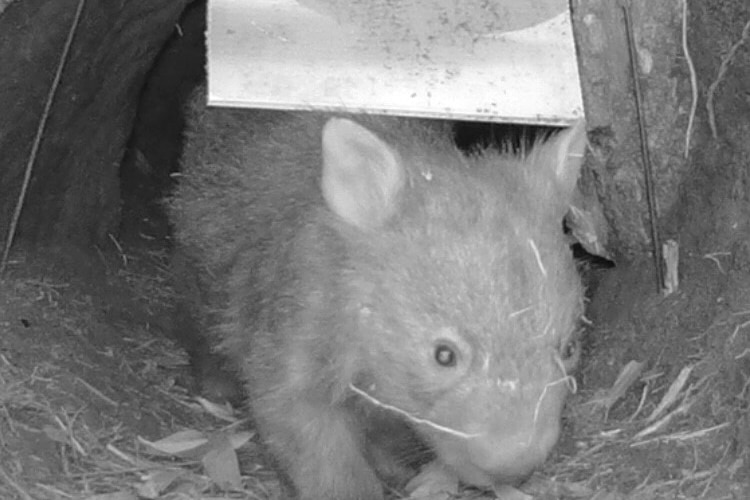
x,y
508,459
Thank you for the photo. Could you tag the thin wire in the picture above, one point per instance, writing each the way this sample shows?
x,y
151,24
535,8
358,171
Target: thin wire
x,y
648,173
38,139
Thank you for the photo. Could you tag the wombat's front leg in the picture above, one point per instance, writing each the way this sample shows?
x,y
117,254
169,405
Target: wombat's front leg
x,y
321,448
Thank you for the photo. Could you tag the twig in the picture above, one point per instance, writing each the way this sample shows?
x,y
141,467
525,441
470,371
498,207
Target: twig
x,y
38,139
683,436
693,78
122,253
5,477
671,254
97,392
737,329
722,71
713,257
55,491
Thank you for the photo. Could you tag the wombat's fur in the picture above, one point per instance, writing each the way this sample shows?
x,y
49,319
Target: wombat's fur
x,y
368,276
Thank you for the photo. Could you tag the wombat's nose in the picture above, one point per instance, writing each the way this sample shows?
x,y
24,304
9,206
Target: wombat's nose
x,y
512,460
514,473
513,469
500,469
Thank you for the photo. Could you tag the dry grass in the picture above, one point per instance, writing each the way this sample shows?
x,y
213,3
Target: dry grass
x,y
672,438
80,399
92,409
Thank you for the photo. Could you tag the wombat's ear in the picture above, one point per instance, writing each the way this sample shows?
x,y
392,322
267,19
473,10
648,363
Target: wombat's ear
x,y
362,175
569,148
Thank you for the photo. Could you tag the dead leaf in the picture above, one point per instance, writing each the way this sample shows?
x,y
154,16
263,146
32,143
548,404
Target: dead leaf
x,y
238,439
672,394
56,434
156,482
221,465
627,377
505,492
223,412
176,444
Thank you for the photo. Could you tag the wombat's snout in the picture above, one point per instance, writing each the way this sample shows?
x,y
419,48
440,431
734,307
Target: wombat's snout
x,y
509,459
513,460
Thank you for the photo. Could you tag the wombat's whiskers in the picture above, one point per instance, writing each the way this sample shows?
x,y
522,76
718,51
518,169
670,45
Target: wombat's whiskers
x,y
546,331
409,416
566,379
547,328
520,311
571,381
538,257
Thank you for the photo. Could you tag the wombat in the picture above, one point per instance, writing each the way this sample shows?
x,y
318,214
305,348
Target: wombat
x,y
369,280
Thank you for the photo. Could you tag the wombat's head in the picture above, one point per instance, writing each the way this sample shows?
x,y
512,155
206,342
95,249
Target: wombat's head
x,y
464,293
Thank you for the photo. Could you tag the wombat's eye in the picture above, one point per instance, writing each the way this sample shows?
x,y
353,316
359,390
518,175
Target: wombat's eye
x,y
445,355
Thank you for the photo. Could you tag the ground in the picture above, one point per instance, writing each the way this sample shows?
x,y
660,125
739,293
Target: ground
x,y
89,377
681,430
87,374
94,399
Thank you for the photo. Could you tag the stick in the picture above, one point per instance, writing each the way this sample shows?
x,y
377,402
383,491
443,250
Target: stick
x,y
647,171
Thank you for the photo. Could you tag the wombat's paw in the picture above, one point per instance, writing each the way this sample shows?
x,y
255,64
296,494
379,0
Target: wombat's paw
x,y
222,387
393,472
215,380
345,488
433,482
321,446
335,473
